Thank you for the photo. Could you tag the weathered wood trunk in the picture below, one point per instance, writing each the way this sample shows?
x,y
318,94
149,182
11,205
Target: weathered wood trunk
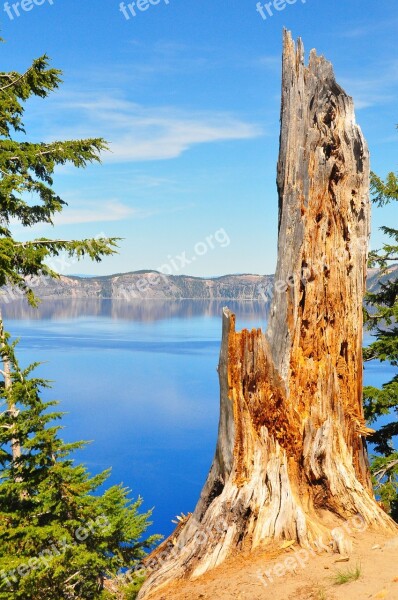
x,y
291,459
6,373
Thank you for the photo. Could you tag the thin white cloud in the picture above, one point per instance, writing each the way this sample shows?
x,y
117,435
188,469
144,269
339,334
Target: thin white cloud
x,y
113,210
171,137
139,133
98,212
104,211
273,63
373,90
370,28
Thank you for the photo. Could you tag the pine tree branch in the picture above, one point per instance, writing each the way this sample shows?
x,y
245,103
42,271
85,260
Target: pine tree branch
x,y
5,87
36,155
42,242
383,472
71,577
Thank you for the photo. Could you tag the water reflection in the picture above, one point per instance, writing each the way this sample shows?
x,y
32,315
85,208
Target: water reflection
x,y
142,311
140,380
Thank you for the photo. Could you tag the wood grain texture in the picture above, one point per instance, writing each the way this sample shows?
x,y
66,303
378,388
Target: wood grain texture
x,y
291,461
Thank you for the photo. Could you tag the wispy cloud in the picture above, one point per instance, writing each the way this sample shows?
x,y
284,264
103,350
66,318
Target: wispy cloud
x,y
367,29
113,210
141,133
273,63
99,212
372,90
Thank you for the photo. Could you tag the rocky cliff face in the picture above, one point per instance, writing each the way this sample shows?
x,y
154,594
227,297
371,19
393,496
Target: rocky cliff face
x,y
152,285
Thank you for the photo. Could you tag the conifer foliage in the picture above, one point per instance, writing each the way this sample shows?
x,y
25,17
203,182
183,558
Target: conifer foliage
x,y
381,318
60,537
26,181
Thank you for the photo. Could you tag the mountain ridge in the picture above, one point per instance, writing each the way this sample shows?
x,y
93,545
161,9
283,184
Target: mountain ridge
x,y
153,285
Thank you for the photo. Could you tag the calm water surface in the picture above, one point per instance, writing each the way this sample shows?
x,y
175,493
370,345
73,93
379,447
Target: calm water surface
x,y
138,380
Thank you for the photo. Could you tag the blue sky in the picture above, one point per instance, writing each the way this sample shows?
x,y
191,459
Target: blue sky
x,y
187,93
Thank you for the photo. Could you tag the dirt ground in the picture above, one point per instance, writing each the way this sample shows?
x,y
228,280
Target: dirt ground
x,y
293,573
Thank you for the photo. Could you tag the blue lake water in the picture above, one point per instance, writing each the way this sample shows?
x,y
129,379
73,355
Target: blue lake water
x,y
138,380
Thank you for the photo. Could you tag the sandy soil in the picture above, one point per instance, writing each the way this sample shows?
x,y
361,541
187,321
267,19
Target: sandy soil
x,y
290,573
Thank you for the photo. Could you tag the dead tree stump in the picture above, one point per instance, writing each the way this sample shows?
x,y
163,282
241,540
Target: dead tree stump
x,y
291,459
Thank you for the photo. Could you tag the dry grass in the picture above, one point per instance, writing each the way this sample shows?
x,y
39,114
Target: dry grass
x,y
342,577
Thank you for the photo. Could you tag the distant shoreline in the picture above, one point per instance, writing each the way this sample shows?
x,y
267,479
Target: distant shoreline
x,y
152,285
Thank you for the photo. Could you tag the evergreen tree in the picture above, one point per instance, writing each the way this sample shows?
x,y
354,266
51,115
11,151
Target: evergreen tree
x,y
26,181
381,318
58,539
